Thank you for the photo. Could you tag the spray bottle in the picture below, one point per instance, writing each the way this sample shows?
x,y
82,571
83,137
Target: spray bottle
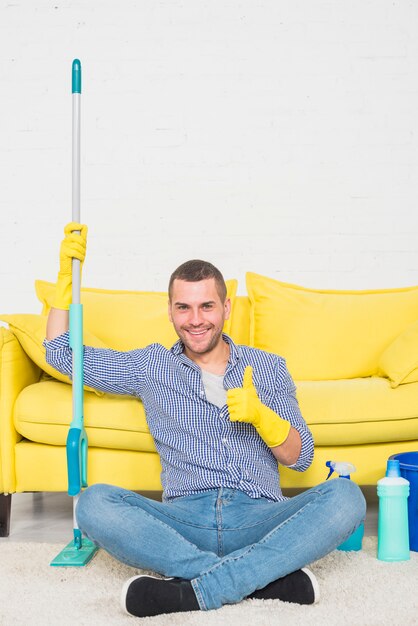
x,y
344,470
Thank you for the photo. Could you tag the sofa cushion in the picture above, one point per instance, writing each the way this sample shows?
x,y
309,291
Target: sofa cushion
x,y
399,362
126,320
326,334
30,331
358,411
240,320
43,413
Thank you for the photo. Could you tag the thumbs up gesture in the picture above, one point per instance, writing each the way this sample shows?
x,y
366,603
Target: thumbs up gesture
x,y
244,405
242,401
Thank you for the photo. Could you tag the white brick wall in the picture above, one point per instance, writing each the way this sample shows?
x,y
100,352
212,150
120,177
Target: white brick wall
x,y
274,136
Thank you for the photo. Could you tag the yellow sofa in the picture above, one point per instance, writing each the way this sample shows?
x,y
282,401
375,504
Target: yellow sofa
x,y
353,356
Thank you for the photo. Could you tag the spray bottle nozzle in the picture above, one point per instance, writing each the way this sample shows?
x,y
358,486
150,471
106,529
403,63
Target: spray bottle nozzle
x,y
343,469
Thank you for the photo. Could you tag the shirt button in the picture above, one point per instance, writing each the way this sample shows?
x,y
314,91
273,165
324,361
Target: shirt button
x,y
224,440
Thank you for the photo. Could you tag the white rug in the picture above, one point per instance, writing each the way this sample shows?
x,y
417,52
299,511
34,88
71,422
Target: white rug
x,y
356,590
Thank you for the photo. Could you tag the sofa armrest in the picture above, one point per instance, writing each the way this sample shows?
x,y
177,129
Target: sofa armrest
x,y
17,371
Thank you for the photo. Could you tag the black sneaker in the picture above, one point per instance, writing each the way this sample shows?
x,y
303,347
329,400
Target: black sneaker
x,y
144,596
300,587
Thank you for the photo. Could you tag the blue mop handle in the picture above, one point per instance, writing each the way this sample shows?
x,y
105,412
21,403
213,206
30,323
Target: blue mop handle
x,y
76,76
77,437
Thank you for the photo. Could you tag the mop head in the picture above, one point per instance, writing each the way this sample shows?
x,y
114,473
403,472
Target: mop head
x,y
70,556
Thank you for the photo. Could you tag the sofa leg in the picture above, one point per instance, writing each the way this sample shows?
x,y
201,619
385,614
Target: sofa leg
x,y
5,509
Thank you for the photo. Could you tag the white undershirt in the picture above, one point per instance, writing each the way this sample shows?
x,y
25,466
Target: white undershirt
x,y
214,388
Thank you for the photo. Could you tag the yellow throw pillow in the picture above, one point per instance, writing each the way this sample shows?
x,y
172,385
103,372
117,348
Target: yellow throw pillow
x,y
327,334
240,320
30,331
399,362
126,320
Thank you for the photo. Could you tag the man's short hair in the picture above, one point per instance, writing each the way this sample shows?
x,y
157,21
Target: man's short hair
x,y
196,270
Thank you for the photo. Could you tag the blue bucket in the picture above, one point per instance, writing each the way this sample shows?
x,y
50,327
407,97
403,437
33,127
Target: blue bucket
x,y
408,462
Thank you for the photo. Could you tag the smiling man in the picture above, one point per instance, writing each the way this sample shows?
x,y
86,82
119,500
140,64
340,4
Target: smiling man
x,y
198,310
222,417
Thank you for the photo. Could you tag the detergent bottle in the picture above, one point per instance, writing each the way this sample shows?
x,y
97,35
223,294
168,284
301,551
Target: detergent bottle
x,y
392,525
344,470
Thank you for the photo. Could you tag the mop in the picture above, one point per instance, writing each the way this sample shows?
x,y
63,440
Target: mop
x,y
80,550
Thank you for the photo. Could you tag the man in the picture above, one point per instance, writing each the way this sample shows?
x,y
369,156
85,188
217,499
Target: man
x,y
222,417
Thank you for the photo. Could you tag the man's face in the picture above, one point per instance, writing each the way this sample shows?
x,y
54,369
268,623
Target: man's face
x,y
198,314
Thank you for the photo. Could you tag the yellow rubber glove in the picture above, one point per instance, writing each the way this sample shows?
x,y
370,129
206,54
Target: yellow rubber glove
x,y
73,246
244,405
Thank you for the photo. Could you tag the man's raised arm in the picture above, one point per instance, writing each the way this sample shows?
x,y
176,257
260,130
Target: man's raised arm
x,y
57,324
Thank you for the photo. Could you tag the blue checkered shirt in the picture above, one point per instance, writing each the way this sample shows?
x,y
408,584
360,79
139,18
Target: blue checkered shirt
x,y
199,447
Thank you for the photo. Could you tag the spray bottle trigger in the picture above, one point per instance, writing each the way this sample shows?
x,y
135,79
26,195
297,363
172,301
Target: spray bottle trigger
x,y
331,469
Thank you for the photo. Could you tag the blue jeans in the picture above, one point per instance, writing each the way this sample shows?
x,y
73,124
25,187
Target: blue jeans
x,y
226,543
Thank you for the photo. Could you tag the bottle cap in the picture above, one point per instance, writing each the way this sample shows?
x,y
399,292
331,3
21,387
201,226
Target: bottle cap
x,y
393,468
